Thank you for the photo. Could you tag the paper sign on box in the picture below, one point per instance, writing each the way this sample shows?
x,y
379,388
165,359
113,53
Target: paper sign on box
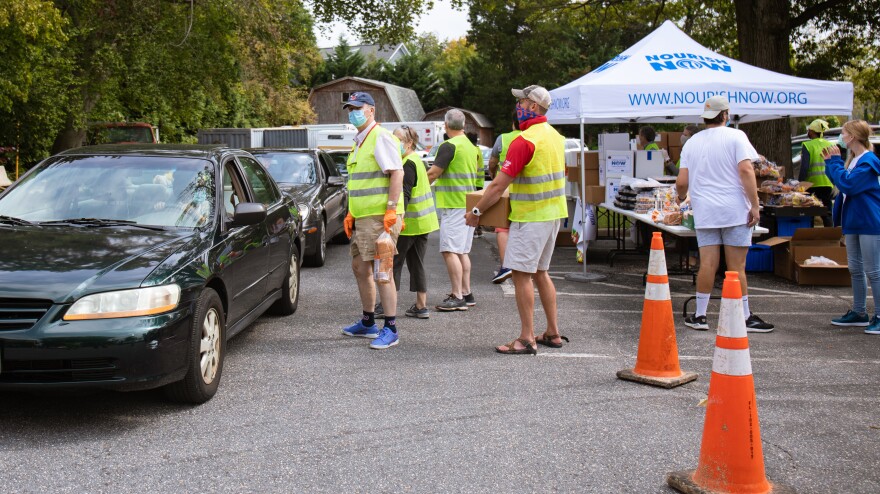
x,y
618,164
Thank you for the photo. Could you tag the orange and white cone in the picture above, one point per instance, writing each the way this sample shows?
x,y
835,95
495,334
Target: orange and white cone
x,y
657,360
731,457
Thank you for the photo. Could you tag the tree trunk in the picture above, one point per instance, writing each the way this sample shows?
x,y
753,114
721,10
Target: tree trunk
x,y
764,35
68,138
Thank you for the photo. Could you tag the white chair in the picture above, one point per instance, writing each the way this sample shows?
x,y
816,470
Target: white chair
x,y
4,179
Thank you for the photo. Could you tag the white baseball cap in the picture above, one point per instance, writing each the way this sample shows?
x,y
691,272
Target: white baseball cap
x,y
535,93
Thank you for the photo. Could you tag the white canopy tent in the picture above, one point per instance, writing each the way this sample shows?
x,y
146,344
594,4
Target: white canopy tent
x,y
667,77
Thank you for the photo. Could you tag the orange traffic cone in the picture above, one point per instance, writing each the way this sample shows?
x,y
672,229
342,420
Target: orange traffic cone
x,y
731,458
657,360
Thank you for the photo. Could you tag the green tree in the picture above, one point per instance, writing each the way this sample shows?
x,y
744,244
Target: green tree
x,y
343,62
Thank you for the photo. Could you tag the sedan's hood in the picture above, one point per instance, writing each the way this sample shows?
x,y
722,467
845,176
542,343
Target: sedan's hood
x,y
63,263
300,192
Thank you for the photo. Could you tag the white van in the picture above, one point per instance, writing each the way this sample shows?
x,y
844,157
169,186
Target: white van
x,y
430,133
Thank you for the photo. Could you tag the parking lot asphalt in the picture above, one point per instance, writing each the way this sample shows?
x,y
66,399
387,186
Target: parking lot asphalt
x,y
303,409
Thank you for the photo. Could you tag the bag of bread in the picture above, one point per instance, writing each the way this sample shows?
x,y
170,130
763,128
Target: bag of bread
x,y
383,263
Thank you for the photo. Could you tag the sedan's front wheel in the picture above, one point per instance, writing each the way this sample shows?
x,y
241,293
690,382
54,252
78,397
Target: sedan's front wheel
x,y
290,289
206,352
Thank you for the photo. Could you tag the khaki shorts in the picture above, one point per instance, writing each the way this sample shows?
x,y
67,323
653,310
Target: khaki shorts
x,y
366,232
530,245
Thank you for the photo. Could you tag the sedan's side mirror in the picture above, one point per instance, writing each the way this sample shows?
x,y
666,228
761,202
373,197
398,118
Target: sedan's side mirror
x,y
248,213
336,181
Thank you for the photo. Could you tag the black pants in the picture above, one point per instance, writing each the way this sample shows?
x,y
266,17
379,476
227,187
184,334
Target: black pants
x,y
412,248
824,195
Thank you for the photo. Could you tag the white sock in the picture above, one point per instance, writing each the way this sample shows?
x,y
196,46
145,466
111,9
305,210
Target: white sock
x,y
746,312
702,303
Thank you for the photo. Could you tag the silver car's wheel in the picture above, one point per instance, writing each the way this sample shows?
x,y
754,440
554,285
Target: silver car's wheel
x,y
209,359
289,300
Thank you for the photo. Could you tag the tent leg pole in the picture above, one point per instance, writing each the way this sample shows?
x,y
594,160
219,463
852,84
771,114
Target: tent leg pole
x,y
583,277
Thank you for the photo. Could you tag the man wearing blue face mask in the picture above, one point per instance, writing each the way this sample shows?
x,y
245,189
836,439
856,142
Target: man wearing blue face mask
x,y
375,181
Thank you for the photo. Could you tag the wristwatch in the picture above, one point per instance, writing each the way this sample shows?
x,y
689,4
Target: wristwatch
x,y
392,205
476,211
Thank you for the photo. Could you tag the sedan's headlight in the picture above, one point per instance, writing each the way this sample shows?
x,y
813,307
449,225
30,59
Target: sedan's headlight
x,y
303,211
125,303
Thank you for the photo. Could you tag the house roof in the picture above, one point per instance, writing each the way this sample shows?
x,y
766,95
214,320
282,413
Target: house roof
x,y
405,102
387,53
482,120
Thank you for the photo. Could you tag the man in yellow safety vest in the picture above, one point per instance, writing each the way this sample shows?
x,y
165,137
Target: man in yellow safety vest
x,y
375,180
813,166
453,174
534,169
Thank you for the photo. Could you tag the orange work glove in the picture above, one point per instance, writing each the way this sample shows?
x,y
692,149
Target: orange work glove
x,y
348,224
390,219
402,224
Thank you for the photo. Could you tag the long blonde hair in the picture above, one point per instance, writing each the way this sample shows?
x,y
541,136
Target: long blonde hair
x,y
408,136
861,132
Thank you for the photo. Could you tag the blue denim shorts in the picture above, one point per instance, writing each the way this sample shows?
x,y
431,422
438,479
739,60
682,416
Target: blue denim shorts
x,y
734,236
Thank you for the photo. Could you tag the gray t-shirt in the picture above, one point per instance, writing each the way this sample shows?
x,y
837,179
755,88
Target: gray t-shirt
x,y
496,149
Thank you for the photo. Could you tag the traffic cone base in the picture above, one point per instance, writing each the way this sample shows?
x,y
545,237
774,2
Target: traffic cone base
x,y
657,359
663,382
683,481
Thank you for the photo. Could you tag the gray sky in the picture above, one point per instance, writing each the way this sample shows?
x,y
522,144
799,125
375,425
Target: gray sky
x,y
442,20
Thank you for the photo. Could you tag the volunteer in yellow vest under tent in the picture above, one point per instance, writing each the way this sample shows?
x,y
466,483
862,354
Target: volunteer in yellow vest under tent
x,y
813,166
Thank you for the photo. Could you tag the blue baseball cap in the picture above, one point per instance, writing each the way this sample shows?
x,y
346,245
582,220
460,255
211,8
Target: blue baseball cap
x,y
359,99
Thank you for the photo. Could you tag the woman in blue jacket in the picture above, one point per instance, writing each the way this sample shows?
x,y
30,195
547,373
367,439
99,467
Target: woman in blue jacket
x,y
857,210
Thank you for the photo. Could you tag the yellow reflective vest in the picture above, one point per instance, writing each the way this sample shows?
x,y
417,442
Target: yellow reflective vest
x,y
421,215
538,192
816,166
367,183
458,179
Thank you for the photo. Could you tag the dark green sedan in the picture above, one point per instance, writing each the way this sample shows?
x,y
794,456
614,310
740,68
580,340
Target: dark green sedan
x,y
128,267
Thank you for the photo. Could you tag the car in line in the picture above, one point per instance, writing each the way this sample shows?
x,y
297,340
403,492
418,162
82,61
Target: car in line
x,y
340,157
128,267
312,178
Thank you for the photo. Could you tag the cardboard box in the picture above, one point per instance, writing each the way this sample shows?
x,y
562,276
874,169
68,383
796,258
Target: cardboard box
x,y
594,194
649,164
563,239
672,139
498,215
618,164
601,170
674,153
612,185
789,254
609,142
591,167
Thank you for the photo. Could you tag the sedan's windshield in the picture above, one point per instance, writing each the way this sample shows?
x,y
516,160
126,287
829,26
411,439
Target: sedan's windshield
x,y
290,168
160,191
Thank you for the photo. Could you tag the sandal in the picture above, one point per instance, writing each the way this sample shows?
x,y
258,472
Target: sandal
x,y
547,340
528,350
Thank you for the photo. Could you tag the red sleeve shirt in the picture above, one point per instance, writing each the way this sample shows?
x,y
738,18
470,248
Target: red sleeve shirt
x,y
521,151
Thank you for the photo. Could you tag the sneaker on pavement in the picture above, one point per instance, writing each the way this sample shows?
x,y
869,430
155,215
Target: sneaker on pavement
x,y
358,329
470,300
851,318
502,275
451,303
755,324
874,327
697,322
379,312
414,311
386,339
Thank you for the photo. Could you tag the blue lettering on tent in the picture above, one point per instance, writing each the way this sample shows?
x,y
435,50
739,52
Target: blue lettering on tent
x,y
665,65
560,104
687,61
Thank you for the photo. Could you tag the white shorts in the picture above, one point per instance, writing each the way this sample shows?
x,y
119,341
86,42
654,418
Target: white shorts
x,y
530,245
455,235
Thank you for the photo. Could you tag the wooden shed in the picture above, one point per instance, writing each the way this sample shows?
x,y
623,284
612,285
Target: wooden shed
x,y
393,103
474,122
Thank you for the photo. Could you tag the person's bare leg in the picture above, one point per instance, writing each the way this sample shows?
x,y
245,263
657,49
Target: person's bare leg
x,y
501,238
421,300
736,261
388,297
525,305
710,256
453,267
363,274
465,272
547,292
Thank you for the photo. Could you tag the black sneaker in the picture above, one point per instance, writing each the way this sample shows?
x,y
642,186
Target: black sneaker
x,y
451,303
754,324
697,322
414,311
378,311
470,300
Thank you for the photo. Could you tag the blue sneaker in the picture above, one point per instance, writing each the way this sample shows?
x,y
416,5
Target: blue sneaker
x,y
386,339
851,318
358,329
874,327
502,275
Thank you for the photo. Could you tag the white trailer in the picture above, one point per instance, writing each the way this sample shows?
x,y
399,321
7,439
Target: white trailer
x,y
430,133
